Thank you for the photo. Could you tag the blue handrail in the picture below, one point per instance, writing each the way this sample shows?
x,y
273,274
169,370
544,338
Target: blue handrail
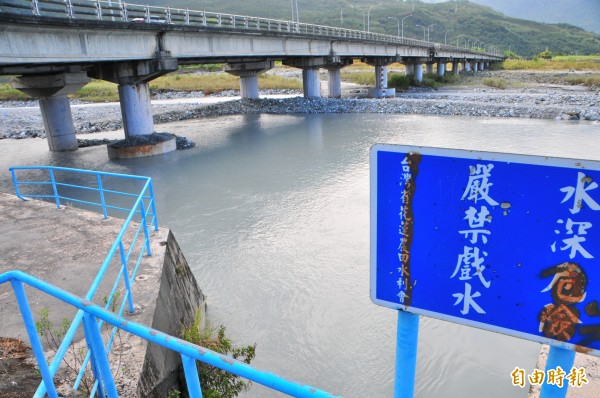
x,y
190,353
127,245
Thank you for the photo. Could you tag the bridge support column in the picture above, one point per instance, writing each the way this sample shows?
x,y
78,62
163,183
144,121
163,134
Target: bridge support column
x,y
467,66
310,73
381,89
334,82
455,65
429,68
409,69
134,92
475,66
136,109
441,68
248,73
482,66
311,84
419,72
52,92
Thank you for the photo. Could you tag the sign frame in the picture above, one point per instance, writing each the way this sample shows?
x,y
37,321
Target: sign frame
x,y
376,149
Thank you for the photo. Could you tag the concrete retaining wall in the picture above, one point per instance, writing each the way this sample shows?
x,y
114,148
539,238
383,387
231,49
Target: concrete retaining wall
x,y
178,299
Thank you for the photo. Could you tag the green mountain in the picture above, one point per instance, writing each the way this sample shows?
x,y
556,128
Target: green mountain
x,y
459,22
583,13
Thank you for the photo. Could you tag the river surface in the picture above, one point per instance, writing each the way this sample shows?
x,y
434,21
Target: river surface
x,y
272,213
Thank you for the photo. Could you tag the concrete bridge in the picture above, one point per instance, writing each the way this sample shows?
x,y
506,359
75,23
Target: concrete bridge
x,y
57,46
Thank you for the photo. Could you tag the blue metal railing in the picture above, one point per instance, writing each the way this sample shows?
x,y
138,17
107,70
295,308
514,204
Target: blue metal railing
x,y
55,184
190,353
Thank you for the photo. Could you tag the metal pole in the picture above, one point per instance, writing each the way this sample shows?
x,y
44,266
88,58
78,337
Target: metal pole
x,y
398,24
403,23
421,26
429,27
406,354
446,35
36,344
557,357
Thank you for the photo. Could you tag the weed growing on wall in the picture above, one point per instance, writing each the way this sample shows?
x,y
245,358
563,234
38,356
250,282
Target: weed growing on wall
x,y
217,383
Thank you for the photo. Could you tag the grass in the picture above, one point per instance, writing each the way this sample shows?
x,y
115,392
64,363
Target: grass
x,y
7,93
589,63
591,81
212,83
102,91
97,91
362,78
496,82
577,58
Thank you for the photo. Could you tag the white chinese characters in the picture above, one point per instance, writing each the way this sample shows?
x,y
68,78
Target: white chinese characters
x,y
470,265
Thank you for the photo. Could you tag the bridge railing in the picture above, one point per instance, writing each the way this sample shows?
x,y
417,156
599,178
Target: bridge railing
x,y
119,11
100,365
129,196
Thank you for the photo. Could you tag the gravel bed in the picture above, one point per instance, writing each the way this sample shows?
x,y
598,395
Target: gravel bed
x,y
541,95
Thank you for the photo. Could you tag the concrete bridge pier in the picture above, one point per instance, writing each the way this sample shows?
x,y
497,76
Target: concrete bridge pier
x,y
134,92
334,82
52,91
381,89
429,68
310,66
455,66
419,72
475,66
311,83
409,69
136,109
482,66
248,73
334,75
467,66
441,67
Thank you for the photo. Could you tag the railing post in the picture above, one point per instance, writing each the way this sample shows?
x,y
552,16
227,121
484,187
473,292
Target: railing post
x,y
35,9
99,357
102,200
124,12
36,344
168,15
191,376
16,185
233,21
145,225
204,18
153,206
147,16
98,10
69,8
219,20
406,354
126,277
55,190
557,357
187,16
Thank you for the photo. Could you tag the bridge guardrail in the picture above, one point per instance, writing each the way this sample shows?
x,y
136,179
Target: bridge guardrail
x,y
118,11
132,241
190,353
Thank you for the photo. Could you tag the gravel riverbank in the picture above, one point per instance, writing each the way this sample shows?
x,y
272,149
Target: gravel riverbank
x,y
538,95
